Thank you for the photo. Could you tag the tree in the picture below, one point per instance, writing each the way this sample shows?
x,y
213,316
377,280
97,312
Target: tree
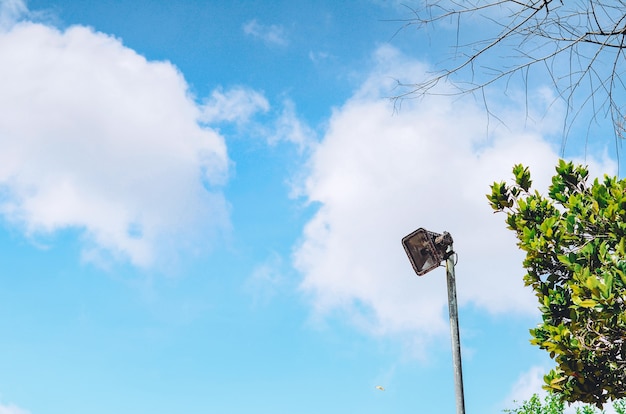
x,y
579,44
575,244
553,405
550,405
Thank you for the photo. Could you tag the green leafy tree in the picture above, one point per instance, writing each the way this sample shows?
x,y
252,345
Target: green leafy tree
x,y
575,244
552,404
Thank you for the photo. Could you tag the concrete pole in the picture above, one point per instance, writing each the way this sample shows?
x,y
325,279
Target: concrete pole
x,y
454,331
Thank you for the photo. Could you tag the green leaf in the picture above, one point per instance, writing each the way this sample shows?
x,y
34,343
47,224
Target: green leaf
x,y
575,261
587,303
522,177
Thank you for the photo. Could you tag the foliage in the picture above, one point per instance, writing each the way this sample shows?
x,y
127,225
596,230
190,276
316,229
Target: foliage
x,y
575,244
552,404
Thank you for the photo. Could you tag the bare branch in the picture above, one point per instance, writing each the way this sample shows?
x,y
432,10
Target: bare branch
x,y
589,34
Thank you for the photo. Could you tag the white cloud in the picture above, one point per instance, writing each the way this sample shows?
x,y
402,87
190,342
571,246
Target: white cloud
x,y
237,104
377,176
289,128
317,57
270,35
12,409
278,124
240,104
10,12
530,382
266,280
94,137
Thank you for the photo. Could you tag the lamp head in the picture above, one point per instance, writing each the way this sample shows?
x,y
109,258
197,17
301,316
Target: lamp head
x,y
426,249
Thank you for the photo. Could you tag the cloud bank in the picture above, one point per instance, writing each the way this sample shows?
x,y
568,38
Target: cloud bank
x,y
96,138
378,175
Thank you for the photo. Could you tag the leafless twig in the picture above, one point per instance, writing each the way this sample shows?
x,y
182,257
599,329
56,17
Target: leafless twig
x,y
580,44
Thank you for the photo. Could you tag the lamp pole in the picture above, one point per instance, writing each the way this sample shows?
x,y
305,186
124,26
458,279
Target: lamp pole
x,y
426,251
454,335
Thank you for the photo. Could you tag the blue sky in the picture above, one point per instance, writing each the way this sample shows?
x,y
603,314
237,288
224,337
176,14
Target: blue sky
x,y
202,204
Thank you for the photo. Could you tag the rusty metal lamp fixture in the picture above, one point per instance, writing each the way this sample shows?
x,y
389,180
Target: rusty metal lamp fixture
x,y
427,250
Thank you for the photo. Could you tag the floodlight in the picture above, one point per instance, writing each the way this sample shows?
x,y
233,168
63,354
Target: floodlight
x,y
426,249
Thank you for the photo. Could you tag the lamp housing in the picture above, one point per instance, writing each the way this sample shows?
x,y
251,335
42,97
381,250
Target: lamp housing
x,y
427,249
